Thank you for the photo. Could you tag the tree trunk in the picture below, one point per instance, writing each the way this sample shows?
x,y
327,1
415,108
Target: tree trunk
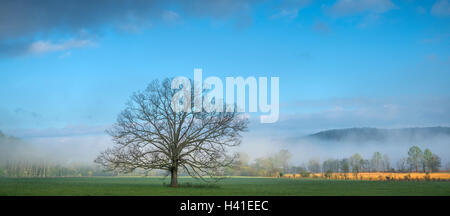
x,y
174,177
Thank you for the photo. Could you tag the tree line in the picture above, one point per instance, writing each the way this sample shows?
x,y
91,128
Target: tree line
x,y
279,163
274,165
43,169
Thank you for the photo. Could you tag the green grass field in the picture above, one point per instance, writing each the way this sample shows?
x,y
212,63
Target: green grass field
x,y
137,186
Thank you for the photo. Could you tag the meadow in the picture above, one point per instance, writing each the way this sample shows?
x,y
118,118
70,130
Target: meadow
x,y
238,186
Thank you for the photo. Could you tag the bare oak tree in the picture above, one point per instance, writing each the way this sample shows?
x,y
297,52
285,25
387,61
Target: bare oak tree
x,y
149,134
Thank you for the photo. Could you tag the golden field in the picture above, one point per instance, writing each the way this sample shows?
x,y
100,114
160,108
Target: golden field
x,y
378,176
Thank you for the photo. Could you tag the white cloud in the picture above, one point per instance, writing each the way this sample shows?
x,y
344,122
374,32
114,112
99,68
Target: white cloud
x,y
49,46
290,8
289,13
66,54
170,16
353,7
441,8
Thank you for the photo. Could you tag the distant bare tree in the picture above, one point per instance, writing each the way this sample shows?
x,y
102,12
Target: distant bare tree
x,y
431,161
314,165
344,165
427,160
415,158
376,162
149,134
386,163
402,165
357,163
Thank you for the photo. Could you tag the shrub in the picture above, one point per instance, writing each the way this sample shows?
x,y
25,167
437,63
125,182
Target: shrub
x,y
328,174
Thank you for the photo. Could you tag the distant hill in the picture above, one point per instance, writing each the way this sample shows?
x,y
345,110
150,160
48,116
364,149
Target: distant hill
x,y
377,134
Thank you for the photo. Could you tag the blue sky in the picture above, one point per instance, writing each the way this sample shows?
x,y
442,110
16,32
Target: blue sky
x,y
69,71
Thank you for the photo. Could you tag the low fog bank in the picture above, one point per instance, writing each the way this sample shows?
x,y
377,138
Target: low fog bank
x,y
83,149
393,142
58,150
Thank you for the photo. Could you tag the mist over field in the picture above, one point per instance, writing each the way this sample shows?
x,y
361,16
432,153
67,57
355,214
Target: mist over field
x,y
323,145
61,150
338,144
